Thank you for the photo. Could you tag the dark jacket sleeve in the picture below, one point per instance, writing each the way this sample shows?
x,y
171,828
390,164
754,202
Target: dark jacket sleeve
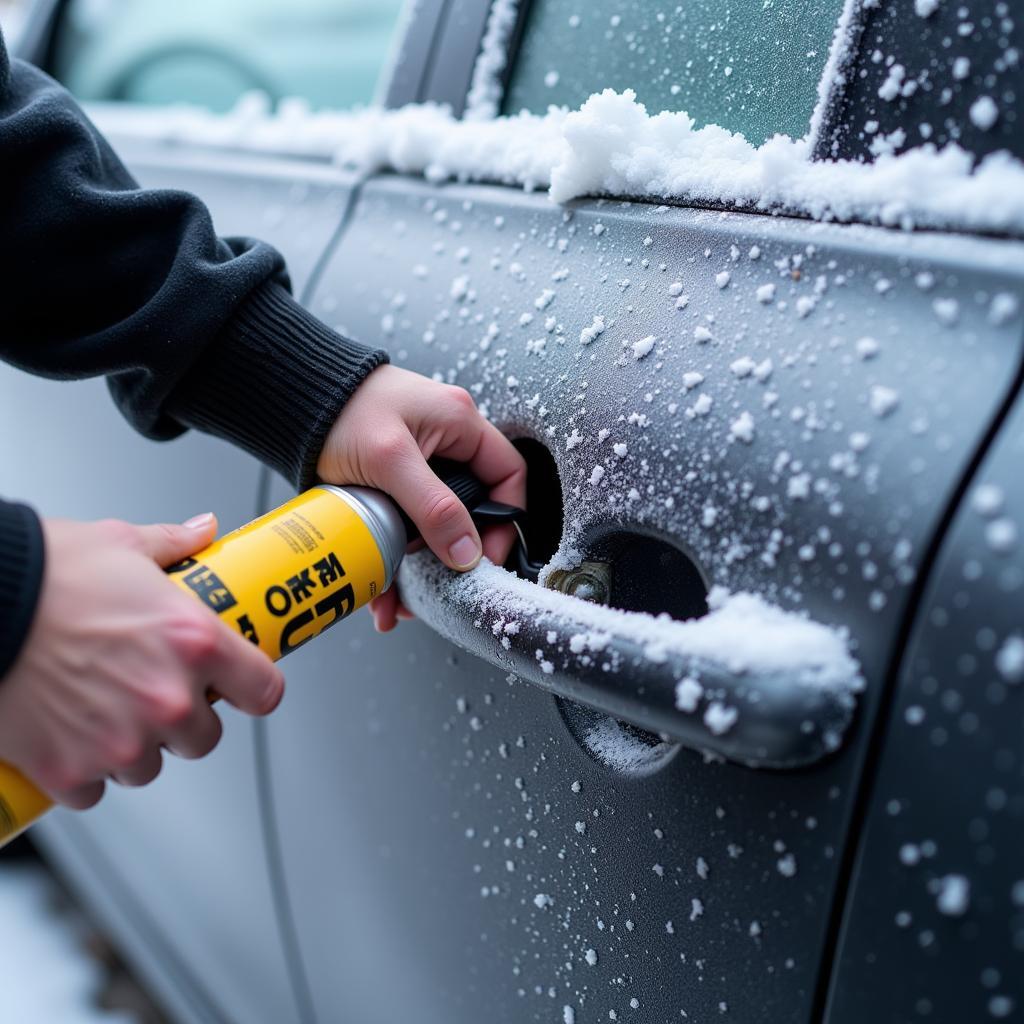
x,y
102,277
99,276
21,575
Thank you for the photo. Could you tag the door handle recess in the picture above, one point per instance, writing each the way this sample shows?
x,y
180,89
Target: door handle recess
x,y
748,682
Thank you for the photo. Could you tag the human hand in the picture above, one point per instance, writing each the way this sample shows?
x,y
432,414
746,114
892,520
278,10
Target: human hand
x,y
394,422
118,662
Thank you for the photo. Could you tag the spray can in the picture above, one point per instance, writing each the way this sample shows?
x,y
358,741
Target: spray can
x,y
289,575
286,577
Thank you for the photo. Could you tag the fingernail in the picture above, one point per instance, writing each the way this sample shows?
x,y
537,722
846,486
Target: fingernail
x,y
199,522
465,552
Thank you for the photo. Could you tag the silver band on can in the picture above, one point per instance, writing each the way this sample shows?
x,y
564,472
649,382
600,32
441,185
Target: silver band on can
x,y
381,517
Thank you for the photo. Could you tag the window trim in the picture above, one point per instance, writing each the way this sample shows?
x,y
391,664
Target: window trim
x,y
404,73
842,55
489,85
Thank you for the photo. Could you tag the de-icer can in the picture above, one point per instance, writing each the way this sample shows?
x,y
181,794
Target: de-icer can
x,y
294,572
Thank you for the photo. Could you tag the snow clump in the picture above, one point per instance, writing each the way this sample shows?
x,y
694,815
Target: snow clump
x,y
485,90
1010,659
596,328
984,113
643,347
954,895
883,400
688,694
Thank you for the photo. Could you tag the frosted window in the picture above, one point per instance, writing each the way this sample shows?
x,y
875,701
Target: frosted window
x,y
752,66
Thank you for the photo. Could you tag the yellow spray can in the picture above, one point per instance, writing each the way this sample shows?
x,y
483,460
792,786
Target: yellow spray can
x,y
284,578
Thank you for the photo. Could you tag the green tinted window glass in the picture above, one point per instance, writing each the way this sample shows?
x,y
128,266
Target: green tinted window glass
x,y
210,52
752,66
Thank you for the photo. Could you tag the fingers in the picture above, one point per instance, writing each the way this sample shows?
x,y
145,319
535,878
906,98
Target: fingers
x,y
441,518
196,737
384,610
498,542
387,610
167,543
143,771
230,665
78,798
493,459
496,462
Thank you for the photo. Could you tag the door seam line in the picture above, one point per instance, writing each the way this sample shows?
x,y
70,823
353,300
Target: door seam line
x,y
295,964
876,742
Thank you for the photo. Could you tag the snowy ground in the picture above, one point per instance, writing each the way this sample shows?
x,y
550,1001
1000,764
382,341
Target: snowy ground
x,y
48,973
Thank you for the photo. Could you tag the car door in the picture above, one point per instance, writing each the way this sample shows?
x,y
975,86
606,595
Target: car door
x,y
178,871
707,399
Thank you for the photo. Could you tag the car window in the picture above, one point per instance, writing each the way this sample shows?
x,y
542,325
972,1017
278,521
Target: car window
x,y
329,52
933,73
752,66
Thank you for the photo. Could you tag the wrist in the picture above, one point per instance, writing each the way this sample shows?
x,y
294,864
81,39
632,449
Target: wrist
x,y
346,427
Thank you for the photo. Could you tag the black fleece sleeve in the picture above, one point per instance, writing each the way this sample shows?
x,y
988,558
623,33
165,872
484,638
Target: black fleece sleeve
x,y
100,277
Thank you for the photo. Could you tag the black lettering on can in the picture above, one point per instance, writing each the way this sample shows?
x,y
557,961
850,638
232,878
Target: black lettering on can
x,y
209,588
278,600
300,621
247,629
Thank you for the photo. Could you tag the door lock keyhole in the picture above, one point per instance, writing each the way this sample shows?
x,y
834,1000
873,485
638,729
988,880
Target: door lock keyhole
x,y
589,581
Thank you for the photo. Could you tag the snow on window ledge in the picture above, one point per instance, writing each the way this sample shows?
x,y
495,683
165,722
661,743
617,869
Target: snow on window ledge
x,y
611,146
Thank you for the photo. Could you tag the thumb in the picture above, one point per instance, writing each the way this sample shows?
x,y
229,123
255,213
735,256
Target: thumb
x,y
443,521
167,543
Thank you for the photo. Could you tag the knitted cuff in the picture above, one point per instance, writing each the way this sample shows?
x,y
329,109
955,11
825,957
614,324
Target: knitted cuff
x,y
274,383
21,576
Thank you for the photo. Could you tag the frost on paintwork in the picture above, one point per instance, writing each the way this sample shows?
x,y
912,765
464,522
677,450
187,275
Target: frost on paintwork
x,y
938,860
725,365
824,514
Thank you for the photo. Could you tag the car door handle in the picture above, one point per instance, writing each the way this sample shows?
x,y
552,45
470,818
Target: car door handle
x,y
748,682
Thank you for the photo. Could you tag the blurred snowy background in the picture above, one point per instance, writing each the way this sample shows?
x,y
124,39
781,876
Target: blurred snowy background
x,y
54,967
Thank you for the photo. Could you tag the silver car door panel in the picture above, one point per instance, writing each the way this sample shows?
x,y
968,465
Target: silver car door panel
x,y
794,405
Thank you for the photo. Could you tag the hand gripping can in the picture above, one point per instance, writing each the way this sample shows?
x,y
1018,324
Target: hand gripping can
x,y
286,577
294,572
279,580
